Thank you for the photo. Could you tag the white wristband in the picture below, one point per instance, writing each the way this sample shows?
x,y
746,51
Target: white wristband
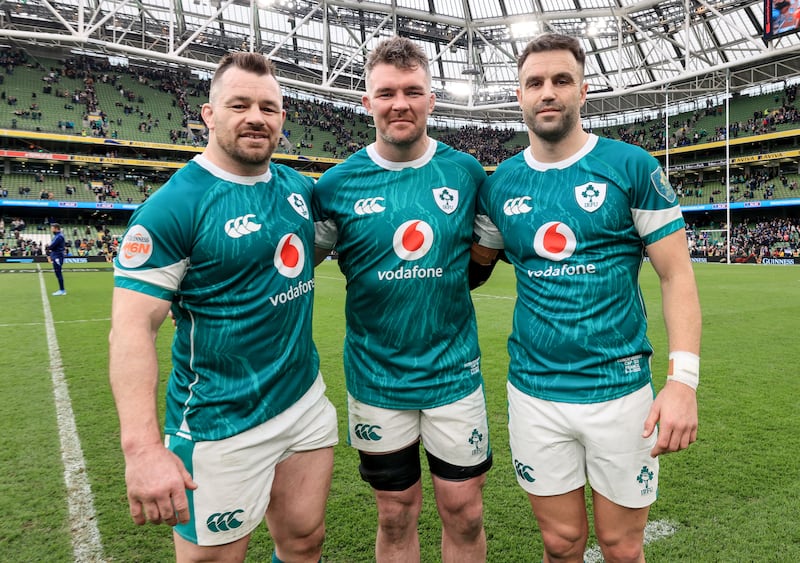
x,y
684,367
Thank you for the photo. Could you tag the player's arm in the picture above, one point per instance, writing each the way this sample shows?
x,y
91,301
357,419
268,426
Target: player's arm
x,y
326,233
485,251
675,407
155,477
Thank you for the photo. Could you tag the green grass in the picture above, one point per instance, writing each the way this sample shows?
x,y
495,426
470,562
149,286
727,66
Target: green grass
x,y
732,496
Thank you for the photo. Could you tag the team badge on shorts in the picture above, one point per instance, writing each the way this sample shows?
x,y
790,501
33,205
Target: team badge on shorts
x,y
446,198
590,196
644,478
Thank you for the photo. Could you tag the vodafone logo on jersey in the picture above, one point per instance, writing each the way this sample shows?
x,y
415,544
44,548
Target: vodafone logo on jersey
x,y
412,240
555,241
136,247
290,256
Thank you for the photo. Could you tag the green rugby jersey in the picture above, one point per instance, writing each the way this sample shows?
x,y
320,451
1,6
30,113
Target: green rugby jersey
x,y
234,255
575,232
403,233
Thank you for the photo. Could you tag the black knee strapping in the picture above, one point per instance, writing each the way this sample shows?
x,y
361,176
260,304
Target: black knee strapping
x,y
451,472
396,471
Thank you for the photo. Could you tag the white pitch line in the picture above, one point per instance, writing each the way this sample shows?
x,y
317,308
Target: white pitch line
x,y
653,531
7,325
489,296
86,546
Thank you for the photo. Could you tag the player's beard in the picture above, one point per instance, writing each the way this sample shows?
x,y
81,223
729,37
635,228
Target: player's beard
x,y
552,131
407,139
236,148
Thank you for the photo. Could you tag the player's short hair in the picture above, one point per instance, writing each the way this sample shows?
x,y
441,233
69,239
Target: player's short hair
x,y
400,52
56,225
255,63
553,42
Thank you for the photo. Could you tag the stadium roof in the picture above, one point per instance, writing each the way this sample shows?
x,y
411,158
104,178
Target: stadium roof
x,y
640,53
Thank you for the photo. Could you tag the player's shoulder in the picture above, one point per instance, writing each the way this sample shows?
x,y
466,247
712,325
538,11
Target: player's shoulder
x,y
459,160
509,165
445,151
335,175
620,151
289,176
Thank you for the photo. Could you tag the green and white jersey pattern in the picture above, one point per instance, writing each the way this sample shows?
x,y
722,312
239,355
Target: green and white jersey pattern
x,y
575,232
403,233
234,255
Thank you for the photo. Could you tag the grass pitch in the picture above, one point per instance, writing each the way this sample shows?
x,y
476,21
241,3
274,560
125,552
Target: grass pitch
x,y
733,496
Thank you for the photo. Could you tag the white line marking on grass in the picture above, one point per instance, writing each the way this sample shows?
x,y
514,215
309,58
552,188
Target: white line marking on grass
x,y
106,320
86,546
653,531
488,296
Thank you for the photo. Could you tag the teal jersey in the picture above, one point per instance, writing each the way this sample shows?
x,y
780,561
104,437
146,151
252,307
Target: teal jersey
x,y
234,255
403,233
575,232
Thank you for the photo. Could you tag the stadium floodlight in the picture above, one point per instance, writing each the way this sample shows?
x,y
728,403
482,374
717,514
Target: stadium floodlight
x,y
525,29
459,89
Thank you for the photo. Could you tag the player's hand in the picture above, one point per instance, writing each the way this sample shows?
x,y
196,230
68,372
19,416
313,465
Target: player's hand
x,y
482,255
675,411
157,481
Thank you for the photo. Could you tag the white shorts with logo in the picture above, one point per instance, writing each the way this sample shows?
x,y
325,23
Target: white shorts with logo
x,y
556,446
457,433
234,475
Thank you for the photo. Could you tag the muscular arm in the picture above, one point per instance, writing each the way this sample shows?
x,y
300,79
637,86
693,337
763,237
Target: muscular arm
x,y
675,407
482,261
155,477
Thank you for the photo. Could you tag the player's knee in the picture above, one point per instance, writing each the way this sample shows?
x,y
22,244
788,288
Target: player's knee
x,y
622,551
305,546
395,471
564,543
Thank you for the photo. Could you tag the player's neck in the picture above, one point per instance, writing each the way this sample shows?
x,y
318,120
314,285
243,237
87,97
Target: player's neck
x,y
546,151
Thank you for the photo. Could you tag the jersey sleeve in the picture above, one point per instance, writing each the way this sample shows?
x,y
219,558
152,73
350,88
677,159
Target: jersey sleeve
x,y
154,254
654,204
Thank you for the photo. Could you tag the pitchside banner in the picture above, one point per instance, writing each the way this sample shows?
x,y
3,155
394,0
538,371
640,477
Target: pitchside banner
x,y
767,261
43,259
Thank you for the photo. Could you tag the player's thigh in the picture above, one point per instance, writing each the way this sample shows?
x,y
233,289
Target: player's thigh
x,y
188,552
463,497
300,492
618,525
562,519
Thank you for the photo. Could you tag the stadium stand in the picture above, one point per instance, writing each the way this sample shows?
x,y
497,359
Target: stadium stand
x,y
144,110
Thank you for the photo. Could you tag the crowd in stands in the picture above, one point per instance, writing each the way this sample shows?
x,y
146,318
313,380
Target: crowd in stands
x,y
349,128
487,144
761,184
88,241
751,241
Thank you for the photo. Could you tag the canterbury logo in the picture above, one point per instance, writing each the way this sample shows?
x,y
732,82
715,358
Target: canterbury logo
x,y
224,521
524,471
517,206
369,205
367,432
236,228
